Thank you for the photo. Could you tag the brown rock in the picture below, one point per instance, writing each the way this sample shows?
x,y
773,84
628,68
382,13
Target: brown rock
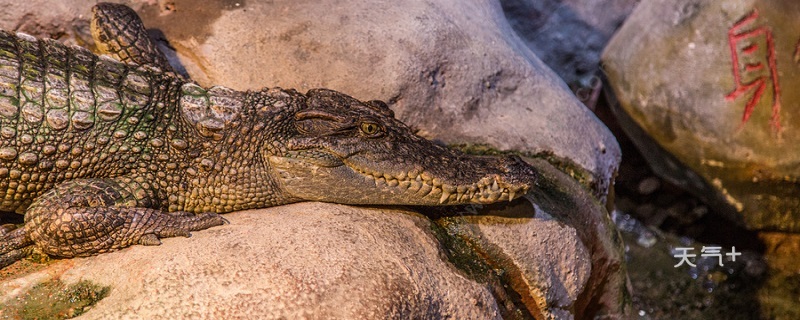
x,y
316,260
561,257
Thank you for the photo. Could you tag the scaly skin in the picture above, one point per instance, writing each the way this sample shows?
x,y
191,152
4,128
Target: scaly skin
x,y
100,155
119,33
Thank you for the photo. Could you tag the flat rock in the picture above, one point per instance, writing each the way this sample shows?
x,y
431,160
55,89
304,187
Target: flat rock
x,y
314,260
307,260
705,89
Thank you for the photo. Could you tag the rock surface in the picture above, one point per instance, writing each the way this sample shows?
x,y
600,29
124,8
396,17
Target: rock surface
x,y
454,69
308,260
705,89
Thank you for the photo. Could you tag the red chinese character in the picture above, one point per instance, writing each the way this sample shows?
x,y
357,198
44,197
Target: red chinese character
x,y
749,59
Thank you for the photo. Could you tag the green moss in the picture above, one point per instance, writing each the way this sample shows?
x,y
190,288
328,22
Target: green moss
x,y
564,165
54,300
459,251
463,254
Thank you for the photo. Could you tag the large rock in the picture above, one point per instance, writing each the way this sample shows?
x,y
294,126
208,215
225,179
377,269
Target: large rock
x,y
706,88
453,69
558,259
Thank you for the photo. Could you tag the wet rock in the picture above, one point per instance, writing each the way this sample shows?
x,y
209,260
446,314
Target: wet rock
x,y
747,288
455,70
781,250
699,88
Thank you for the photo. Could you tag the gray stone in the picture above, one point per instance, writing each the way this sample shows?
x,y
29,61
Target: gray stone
x,y
688,74
648,185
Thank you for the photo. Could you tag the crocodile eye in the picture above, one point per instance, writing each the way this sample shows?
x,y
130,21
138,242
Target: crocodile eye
x,y
370,128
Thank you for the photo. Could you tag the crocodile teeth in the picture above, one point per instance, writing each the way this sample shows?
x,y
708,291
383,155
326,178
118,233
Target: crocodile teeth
x,y
425,189
445,196
425,176
485,190
433,191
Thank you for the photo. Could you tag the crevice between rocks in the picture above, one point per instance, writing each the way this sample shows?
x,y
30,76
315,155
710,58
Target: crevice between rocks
x,y
486,266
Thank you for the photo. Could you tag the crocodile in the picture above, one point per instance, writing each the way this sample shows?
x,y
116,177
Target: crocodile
x,y
101,152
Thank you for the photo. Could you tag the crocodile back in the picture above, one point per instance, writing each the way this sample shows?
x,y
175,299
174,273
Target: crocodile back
x,y
66,113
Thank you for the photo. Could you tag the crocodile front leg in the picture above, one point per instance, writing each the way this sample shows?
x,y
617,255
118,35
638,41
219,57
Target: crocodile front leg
x,y
85,217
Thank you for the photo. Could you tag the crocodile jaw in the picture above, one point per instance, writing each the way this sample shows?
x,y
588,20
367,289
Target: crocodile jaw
x,y
424,189
352,182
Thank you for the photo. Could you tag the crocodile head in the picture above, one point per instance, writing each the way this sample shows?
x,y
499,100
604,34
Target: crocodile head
x,y
347,151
